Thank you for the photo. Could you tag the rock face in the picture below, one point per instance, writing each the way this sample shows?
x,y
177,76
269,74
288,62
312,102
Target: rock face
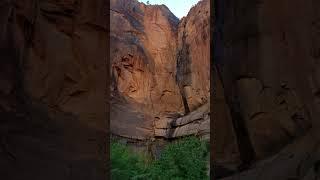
x,y
267,57
193,73
143,44
54,76
61,69
52,89
159,69
195,123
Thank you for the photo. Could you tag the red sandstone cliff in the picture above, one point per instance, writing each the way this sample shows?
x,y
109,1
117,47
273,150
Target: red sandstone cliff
x,y
159,68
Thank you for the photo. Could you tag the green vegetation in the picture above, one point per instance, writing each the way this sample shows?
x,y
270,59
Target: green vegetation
x,y
126,164
185,159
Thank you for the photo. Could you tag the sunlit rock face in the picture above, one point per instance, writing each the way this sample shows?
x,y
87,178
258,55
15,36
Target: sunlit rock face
x,y
148,62
143,43
193,55
266,56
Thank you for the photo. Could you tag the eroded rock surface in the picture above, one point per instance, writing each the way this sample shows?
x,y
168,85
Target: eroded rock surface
x,y
152,53
52,89
195,123
193,64
266,56
53,81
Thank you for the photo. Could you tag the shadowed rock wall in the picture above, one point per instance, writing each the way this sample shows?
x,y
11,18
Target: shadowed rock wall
x,y
53,81
266,56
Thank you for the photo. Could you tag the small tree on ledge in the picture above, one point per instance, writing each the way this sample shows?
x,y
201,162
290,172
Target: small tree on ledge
x,y
148,2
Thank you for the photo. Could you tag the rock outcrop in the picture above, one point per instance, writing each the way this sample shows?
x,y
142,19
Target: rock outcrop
x,y
193,58
196,122
159,69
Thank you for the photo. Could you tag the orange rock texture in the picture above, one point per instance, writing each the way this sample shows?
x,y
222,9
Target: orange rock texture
x,y
159,68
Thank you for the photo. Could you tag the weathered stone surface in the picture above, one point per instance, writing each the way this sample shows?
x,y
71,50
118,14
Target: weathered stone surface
x,y
143,45
295,161
195,123
225,147
147,64
61,69
200,113
193,64
53,81
52,105
266,56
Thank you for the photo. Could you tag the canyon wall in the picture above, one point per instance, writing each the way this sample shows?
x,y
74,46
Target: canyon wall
x,y
159,70
143,43
53,84
266,55
193,73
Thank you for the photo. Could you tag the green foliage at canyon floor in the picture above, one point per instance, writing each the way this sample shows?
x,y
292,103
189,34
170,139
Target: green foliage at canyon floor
x,y
184,159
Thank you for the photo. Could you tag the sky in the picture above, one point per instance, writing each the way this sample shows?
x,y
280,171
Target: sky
x,y
179,8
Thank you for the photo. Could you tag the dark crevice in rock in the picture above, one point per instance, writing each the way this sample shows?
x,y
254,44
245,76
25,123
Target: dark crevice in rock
x,y
246,150
247,153
185,101
183,75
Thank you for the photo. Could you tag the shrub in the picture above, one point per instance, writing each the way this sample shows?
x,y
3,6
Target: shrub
x,y
126,164
185,159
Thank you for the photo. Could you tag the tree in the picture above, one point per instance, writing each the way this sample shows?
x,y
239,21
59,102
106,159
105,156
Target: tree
x,y
148,2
